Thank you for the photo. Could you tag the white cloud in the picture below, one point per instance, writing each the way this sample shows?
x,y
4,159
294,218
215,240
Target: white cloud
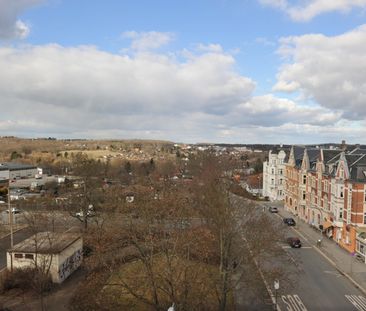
x,y
328,70
214,48
10,26
268,110
307,10
73,89
151,40
82,91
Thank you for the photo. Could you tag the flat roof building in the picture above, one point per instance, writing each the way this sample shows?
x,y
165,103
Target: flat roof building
x,y
11,170
58,254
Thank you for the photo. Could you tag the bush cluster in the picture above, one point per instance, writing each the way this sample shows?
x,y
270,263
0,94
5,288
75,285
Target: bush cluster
x,y
26,279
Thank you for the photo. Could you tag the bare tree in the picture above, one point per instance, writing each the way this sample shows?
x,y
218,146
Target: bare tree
x,y
87,195
236,224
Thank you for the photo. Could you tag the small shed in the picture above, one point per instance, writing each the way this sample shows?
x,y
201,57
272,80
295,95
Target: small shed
x,y
58,253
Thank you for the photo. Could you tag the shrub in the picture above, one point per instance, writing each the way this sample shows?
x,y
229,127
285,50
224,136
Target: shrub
x,y
26,279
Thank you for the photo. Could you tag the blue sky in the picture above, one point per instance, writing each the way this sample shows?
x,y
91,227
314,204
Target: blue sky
x,y
236,71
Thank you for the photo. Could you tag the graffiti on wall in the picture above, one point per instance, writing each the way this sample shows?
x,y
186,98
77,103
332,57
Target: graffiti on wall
x,y
70,265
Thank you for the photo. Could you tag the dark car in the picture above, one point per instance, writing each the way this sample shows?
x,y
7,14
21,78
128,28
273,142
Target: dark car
x,y
289,221
273,209
294,242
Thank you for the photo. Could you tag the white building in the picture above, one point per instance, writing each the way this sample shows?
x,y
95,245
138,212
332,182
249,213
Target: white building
x,y
274,175
59,254
17,171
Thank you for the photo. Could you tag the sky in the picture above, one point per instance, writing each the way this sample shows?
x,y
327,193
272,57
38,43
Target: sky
x,y
193,71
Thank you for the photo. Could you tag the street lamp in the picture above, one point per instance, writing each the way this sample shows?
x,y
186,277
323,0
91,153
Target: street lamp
x,y
276,287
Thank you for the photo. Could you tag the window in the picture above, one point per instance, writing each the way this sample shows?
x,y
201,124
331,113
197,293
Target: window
x,y
272,171
280,172
272,181
280,181
341,194
29,256
18,255
304,180
303,195
341,214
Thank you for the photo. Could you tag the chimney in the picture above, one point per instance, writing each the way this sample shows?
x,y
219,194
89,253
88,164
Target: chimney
x,y
343,146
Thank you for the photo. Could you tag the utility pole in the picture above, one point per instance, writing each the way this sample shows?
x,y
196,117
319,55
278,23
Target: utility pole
x,y
10,215
11,225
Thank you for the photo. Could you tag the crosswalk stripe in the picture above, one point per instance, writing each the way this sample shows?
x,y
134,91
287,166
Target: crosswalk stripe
x,y
359,302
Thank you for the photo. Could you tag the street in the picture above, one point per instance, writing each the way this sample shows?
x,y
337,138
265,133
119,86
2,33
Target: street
x,y
5,244
320,285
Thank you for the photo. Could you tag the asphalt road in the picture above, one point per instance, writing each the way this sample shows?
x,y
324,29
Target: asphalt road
x,y
5,244
320,286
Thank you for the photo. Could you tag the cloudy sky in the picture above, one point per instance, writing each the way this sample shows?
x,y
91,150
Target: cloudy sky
x,y
235,71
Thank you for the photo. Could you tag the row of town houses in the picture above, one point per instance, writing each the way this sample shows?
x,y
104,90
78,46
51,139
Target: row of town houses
x,y
325,188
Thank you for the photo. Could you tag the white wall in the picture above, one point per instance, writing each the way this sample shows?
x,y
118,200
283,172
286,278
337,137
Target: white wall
x,y
62,264
274,176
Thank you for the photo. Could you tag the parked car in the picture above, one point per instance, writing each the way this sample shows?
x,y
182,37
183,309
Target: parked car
x,y
294,242
289,221
14,210
89,213
273,209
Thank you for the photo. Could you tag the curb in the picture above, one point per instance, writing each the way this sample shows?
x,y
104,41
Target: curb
x,y
6,235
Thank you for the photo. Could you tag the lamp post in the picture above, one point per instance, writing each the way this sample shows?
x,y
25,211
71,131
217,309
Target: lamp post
x,y
276,287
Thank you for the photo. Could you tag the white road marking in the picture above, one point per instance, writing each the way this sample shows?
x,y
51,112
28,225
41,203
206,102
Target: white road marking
x,y
359,302
302,247
293,303
333,272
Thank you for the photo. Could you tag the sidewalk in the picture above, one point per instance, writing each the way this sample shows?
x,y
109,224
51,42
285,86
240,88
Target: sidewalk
x,y
343,261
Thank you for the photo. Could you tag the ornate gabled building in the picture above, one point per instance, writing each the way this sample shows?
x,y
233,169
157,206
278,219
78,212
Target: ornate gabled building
x,y
301,160
349,201
327,189
318,188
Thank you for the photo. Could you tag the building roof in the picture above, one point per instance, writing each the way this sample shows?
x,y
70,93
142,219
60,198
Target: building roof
x,y
11,166
358,151
46,243
313,154
330,155
298,154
